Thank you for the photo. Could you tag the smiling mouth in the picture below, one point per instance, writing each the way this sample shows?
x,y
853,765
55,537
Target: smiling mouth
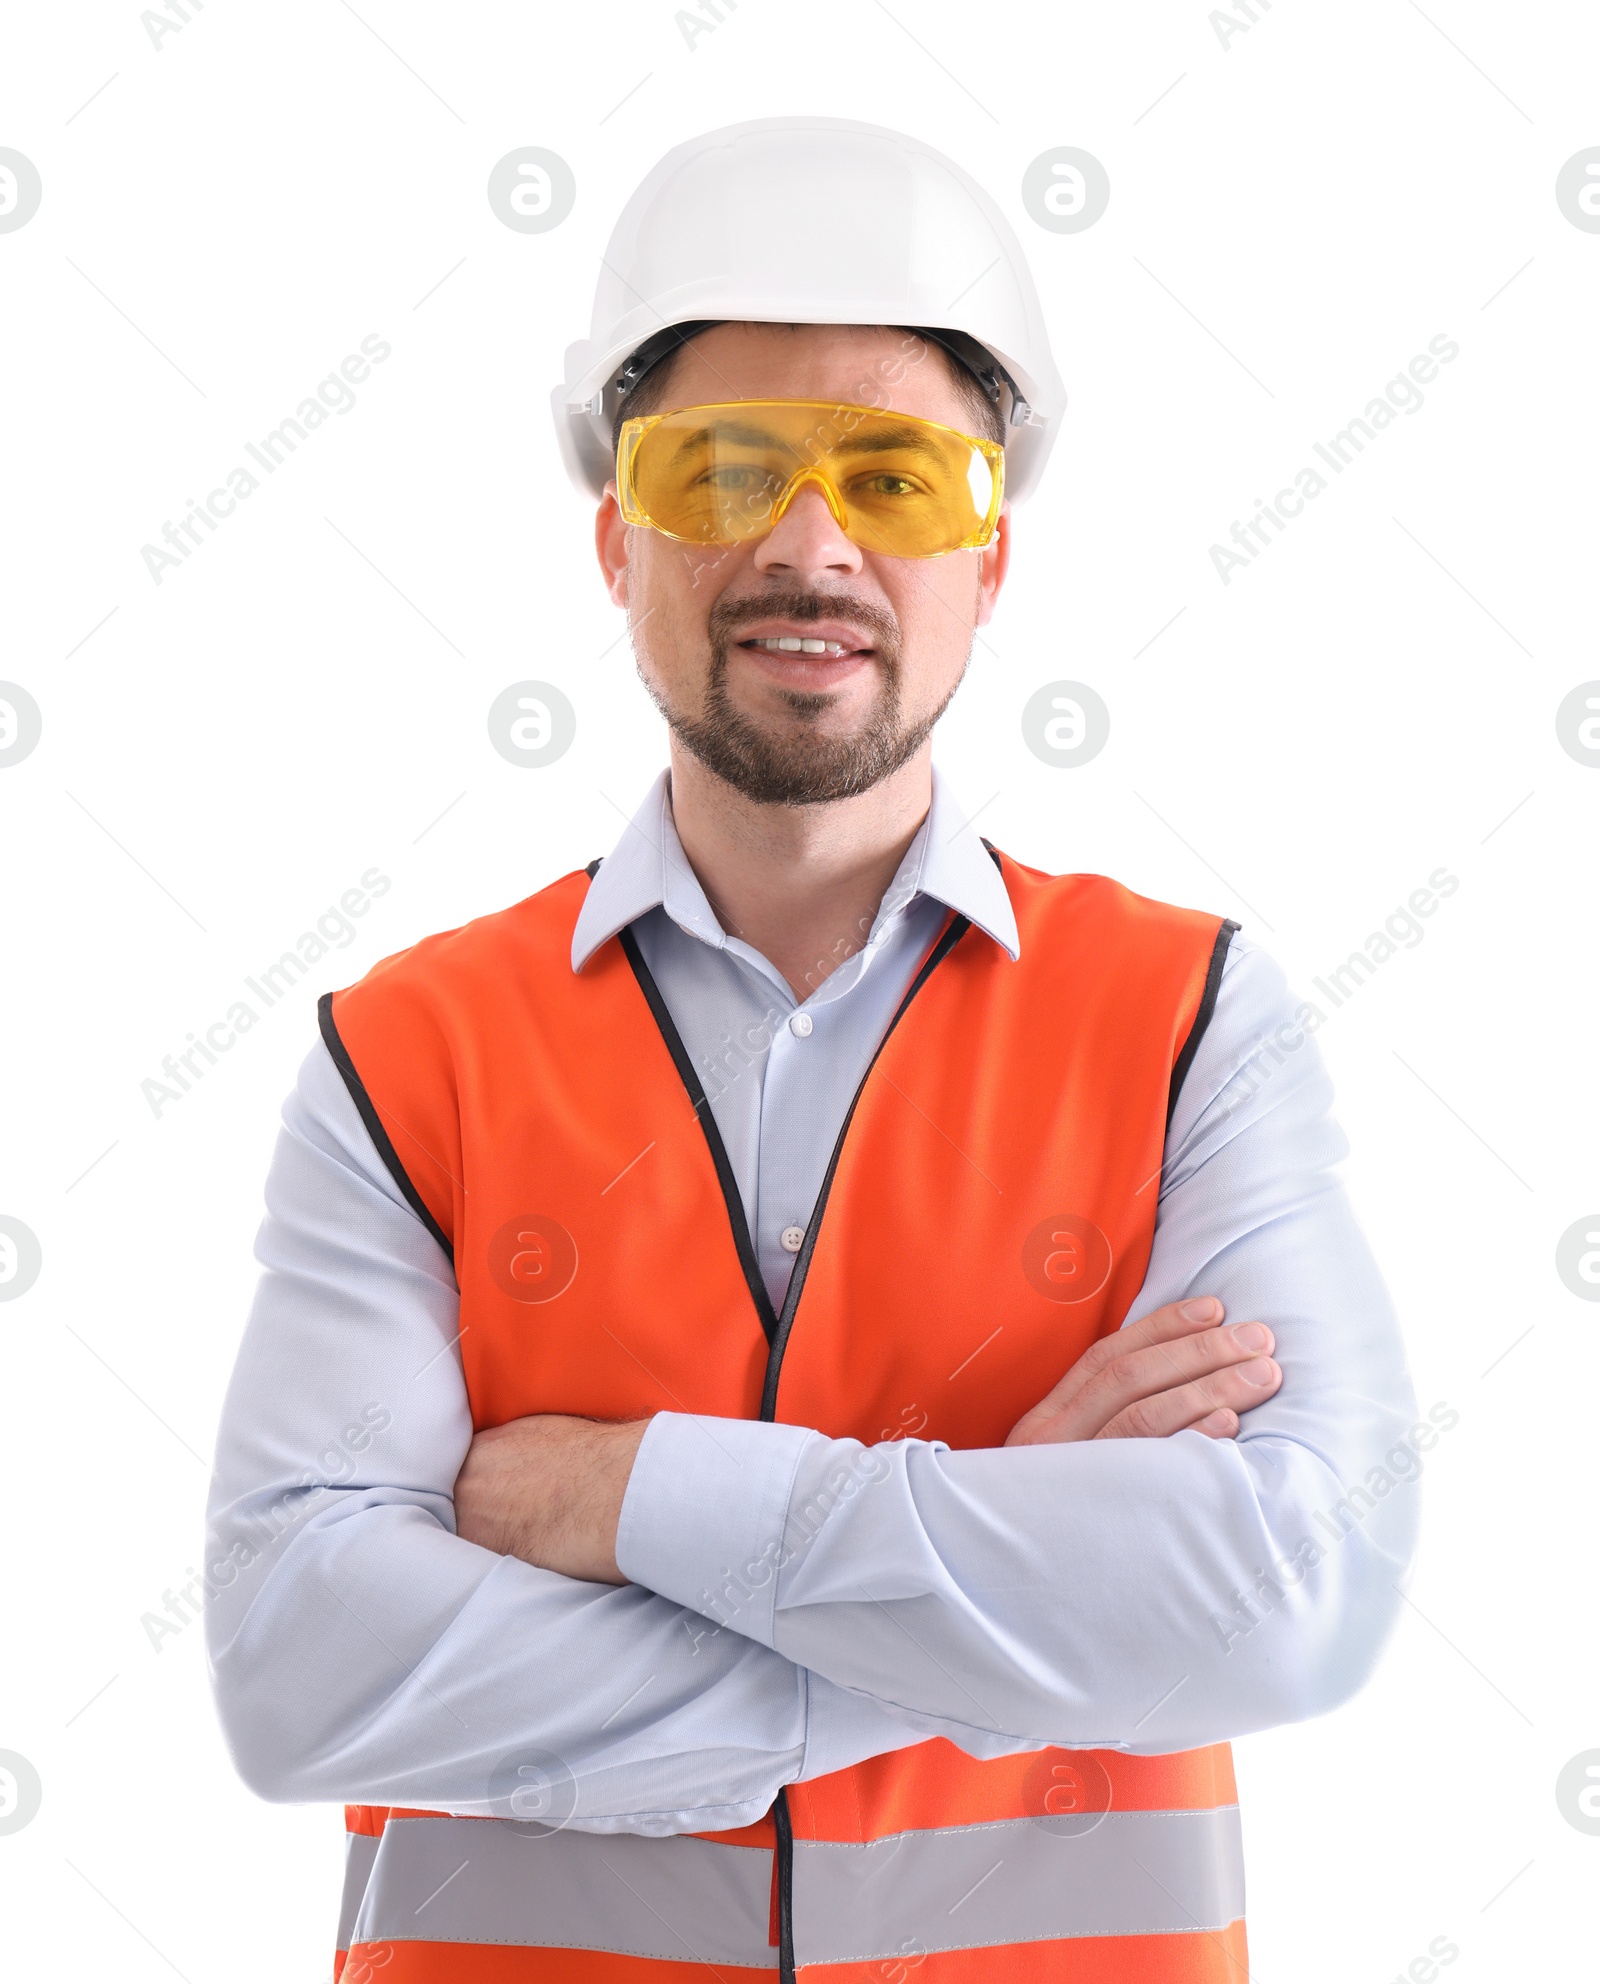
x,y
802,644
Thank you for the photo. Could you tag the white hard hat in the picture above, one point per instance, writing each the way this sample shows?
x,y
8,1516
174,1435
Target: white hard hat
x,y
811,220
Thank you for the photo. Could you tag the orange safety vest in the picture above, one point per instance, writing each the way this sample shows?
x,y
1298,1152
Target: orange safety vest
x,y
987,1214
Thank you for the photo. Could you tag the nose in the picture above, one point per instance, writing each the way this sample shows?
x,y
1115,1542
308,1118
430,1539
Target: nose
x,y
806,541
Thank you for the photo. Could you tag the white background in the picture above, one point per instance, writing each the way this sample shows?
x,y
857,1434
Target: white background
x,y
225,753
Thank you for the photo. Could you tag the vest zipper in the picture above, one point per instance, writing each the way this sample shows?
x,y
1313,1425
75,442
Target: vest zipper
x,y
784,1854
776,1327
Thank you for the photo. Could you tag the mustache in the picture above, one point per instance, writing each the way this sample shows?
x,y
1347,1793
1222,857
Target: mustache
x,y
727,616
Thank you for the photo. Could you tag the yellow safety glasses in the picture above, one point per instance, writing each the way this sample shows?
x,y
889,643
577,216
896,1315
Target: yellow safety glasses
x,y
896,484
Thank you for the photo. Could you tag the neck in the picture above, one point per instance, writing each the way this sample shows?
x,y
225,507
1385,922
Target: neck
x,y
800,884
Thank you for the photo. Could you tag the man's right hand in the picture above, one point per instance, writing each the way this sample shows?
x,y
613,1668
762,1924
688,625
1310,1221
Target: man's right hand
x,y
1173,1369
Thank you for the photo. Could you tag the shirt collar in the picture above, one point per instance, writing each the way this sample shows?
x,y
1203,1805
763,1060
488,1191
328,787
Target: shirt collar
x,y
648,869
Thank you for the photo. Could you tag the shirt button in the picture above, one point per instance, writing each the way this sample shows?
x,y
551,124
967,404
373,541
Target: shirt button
x,y
800,1023
792,1239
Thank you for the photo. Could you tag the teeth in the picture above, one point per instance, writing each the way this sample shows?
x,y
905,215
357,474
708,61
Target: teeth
x,y
793,644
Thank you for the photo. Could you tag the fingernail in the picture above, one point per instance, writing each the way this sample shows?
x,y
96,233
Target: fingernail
x,y
1259,1371
1218,1422
1203,1309
1251,1336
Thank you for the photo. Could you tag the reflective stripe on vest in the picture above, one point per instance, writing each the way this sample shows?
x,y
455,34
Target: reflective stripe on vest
x,y
691,1900
360,1851
550,1130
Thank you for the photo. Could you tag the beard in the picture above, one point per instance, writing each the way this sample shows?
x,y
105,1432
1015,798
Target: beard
x,y
799,764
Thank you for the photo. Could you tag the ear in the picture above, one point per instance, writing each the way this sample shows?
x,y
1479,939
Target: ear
x,y
611,546
994,561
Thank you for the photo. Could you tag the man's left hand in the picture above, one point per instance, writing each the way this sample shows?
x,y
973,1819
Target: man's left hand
x,y
549,1489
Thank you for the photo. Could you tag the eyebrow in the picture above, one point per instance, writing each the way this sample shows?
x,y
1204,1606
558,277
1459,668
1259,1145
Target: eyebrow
x,y
889,440
881,440
726,430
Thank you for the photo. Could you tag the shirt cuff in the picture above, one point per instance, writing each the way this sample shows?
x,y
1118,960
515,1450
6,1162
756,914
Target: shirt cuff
x,y
703,1516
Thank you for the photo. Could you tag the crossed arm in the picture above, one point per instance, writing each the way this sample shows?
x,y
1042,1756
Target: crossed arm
x,y
1080,1590
550,1489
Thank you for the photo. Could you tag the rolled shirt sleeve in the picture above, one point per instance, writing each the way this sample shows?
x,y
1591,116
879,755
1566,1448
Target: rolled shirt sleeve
x,y
1147,1595
360,1650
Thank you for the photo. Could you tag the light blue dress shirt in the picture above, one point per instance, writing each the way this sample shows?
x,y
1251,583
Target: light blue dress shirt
x,y
1148,1595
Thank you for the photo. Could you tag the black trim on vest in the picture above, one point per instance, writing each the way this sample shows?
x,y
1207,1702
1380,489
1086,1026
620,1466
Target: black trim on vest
x,y
1202,1019
783,1872
374,1123
775,1327
708,1123
802,1262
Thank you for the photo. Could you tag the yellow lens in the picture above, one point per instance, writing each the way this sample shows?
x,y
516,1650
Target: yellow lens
x,y
905,487
713,474
897,484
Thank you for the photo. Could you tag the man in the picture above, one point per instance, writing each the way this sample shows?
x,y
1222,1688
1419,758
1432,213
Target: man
x,y
795,1368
